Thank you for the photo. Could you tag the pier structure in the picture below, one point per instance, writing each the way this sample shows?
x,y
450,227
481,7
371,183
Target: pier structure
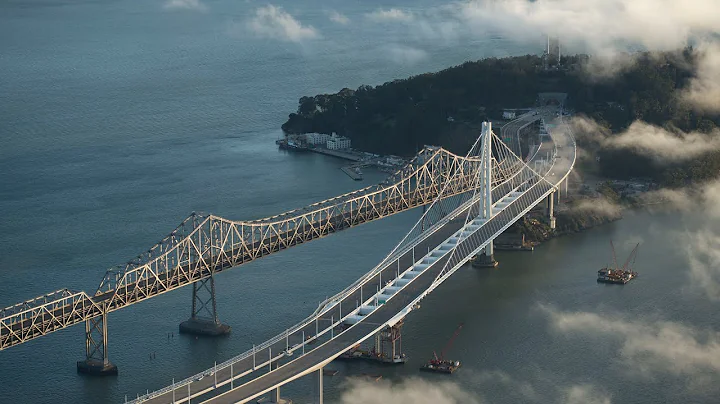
x,y
204,318
388,344
551,209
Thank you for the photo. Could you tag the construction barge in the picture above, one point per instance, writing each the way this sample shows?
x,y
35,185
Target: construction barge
x,y
445,366
440,364
619,276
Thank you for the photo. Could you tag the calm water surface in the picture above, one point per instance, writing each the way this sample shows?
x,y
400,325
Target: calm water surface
x,y
119,118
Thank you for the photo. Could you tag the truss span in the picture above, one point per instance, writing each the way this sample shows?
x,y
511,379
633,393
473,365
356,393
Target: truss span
x,y
205,244
400,281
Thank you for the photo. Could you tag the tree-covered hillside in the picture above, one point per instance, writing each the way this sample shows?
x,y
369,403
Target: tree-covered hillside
x,y
447,107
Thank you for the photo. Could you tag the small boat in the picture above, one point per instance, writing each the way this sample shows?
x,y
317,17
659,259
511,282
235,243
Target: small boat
x,y
617,275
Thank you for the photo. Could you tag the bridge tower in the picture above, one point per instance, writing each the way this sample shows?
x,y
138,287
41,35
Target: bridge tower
x,y
487,258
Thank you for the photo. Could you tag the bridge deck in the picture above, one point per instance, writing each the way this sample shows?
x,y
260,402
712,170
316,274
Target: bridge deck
x,y
325,352
376,321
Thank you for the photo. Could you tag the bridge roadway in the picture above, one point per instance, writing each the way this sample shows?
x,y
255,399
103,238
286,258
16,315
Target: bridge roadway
x,y
22,322
512,128
375,322
564,142
63,315
69,314
318,357
332,316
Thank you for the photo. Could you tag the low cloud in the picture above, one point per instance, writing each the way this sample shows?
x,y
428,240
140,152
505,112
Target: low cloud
x,y
275,23
665,145
420,391
597,205
612,31
653,141
599,25
184,5
702,241
410,391
585,394
338,18
404,55
703,254
704,90
393,14
648,348
702,197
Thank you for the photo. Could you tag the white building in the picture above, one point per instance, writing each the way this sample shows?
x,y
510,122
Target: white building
x,y
338,142
317,138
509,114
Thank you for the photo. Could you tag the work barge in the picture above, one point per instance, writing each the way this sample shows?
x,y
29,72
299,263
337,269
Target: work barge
x,y
615,274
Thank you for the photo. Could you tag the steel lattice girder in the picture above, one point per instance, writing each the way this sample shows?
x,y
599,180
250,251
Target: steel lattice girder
x,y
201,244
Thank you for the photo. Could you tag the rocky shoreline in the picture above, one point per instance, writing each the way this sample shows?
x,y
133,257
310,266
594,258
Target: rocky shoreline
x,y
535,228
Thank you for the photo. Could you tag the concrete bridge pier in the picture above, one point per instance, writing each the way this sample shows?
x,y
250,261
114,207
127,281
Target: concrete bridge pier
x,y
274,396
204,318
96,354
388,344
318,386
487,258
551,210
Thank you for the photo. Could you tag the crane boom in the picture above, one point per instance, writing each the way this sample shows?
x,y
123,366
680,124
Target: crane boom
x,y
614,256
632,254
450,342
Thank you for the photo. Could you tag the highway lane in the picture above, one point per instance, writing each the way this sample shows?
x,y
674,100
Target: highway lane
x,y
58,317
349,303
373,323
511,130
561,167
285,372
314,331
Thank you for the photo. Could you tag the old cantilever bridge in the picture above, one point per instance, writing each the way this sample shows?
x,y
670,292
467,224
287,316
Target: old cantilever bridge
x,y
469,201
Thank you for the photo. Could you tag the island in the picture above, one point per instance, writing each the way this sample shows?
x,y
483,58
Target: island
x,y
447,108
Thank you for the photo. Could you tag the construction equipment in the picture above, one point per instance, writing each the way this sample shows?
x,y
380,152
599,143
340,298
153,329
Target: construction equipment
x,y
441,364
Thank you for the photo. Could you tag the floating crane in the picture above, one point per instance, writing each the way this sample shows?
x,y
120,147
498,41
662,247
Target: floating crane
x,y
441,364
616,274
633,256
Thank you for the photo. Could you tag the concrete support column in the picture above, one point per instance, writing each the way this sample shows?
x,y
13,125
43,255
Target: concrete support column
x,y
318,386
275,396
275,393
551,210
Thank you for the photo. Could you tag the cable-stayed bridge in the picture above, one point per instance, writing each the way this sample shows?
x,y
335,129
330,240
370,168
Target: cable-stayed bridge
x,y
455,226
203,245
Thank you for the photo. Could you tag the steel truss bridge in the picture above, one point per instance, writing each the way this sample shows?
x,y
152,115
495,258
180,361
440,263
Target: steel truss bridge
x,y
449,233
203,245
469,200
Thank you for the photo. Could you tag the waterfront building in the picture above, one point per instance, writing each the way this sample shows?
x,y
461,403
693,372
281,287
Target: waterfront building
x,y
338,142
317,138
